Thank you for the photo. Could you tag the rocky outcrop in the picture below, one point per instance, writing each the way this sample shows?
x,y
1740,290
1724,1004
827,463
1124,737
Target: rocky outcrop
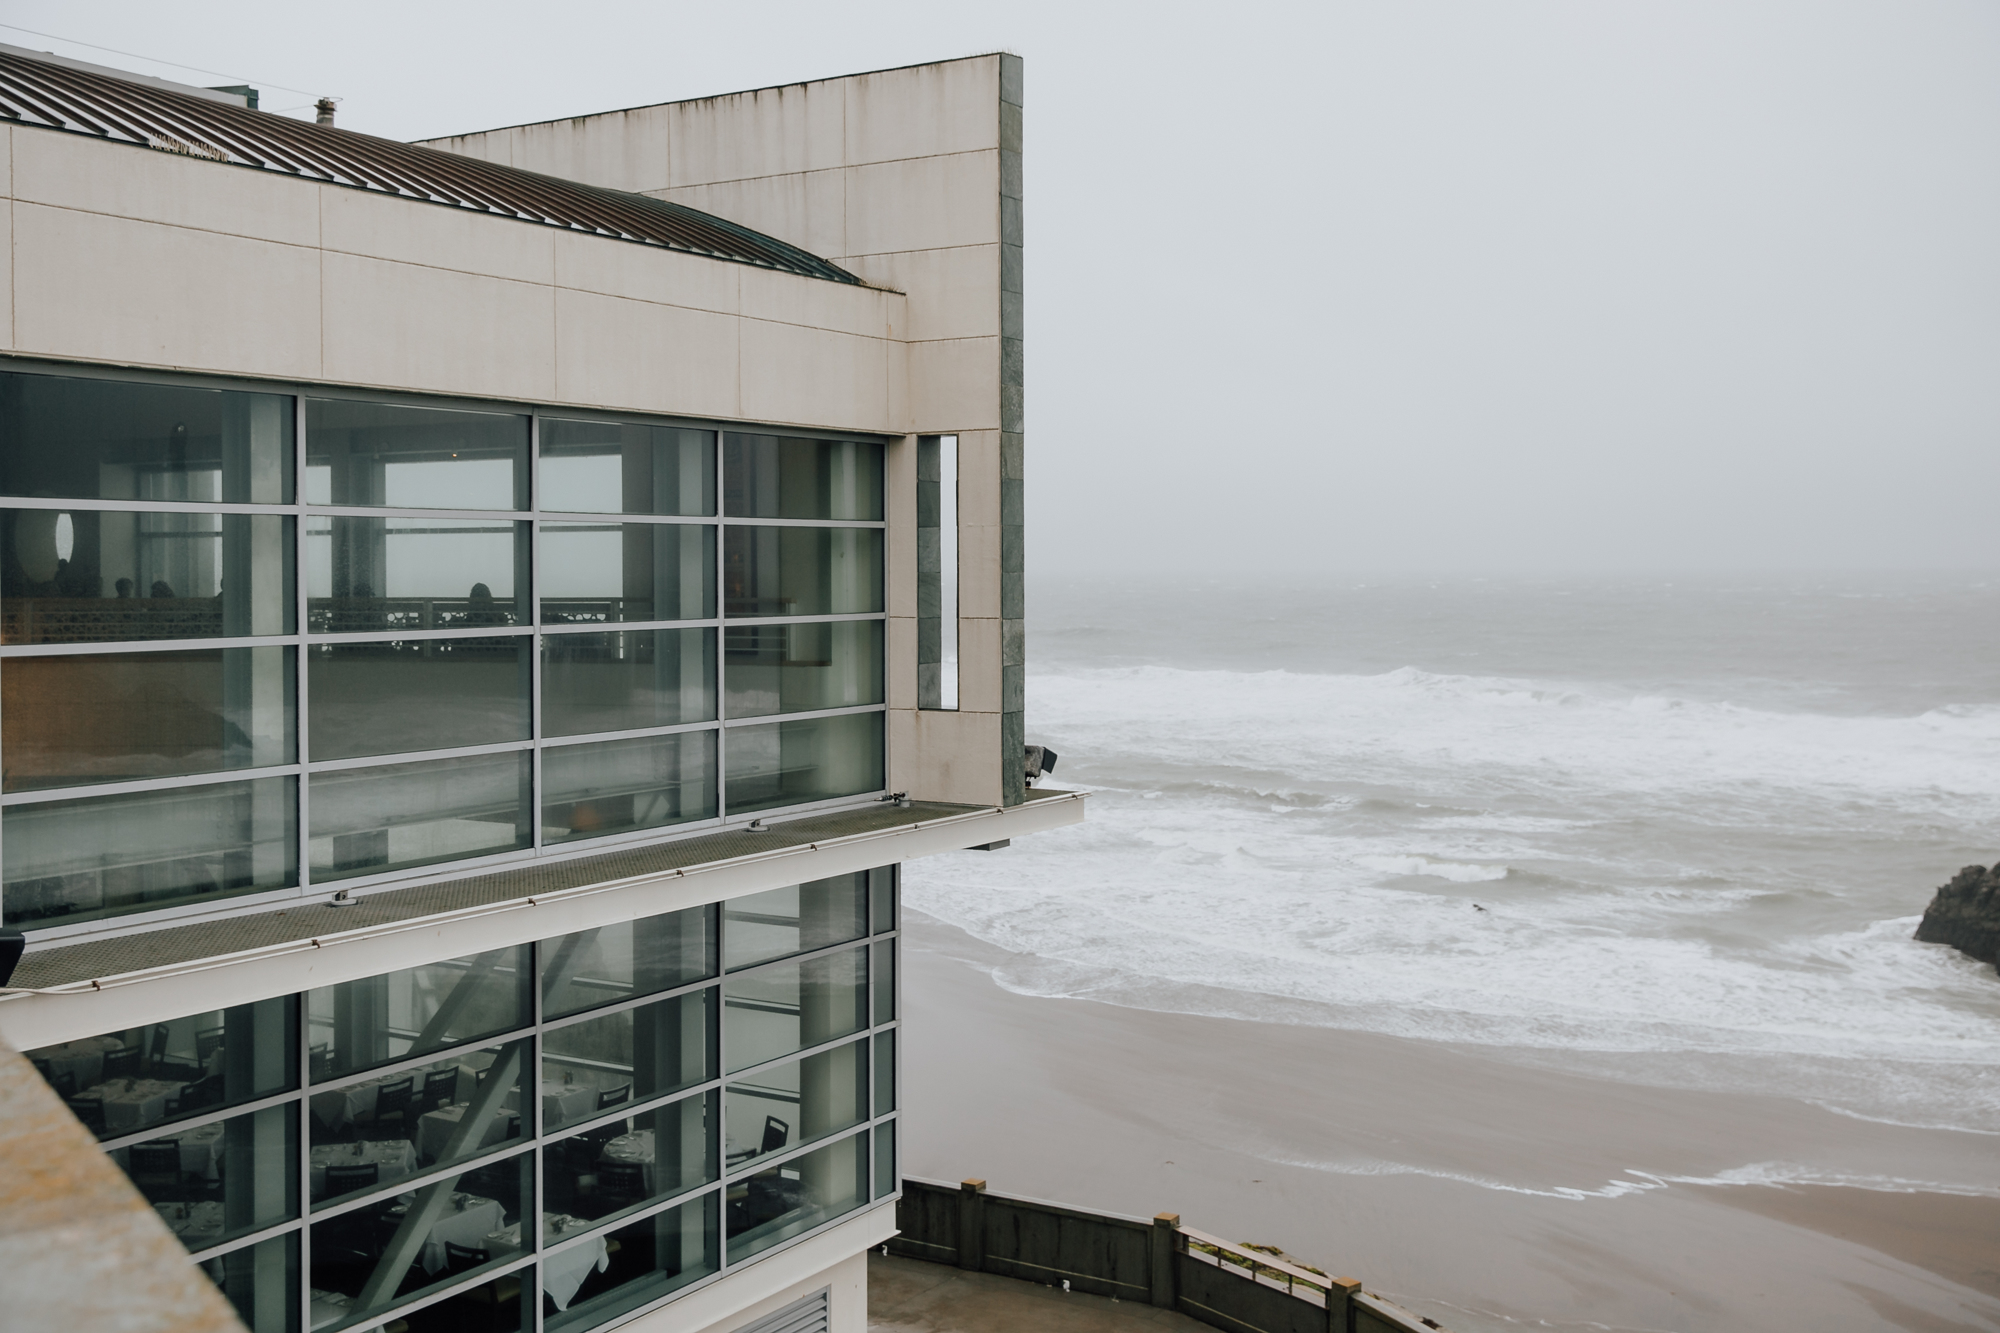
x,y
1966,914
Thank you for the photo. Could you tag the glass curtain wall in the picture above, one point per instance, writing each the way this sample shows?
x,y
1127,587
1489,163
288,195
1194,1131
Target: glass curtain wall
x,y
256,641
546,1136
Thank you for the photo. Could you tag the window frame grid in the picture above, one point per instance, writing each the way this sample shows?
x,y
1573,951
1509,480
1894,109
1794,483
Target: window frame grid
x,y
529,624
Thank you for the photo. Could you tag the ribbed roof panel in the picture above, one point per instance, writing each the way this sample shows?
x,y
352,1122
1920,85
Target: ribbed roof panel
x,y
77,101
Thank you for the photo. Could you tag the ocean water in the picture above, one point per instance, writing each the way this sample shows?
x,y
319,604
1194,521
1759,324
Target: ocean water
x,y
1676,832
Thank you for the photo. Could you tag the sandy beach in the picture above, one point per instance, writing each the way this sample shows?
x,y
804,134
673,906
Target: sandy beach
x,y
1485,1194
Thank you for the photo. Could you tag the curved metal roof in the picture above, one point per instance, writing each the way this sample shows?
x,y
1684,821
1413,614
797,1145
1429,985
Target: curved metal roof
x,y
33,92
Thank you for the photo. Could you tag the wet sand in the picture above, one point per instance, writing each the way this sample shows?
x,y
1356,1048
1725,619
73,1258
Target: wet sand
x,y
1484,1194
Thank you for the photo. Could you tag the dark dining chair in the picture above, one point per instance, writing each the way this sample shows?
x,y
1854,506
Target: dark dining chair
x,y
611,1097
206,1043
121,1064
621,1183
155,1167
776,1134
440,1088
156,1046
343,1178
393,1107
460,1258
90,1110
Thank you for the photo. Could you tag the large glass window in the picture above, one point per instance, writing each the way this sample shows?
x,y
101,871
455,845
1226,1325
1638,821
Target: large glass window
x,y
115,717
380,454
628,681
519,633
453,1158
612,573
812,759
609,467
107,576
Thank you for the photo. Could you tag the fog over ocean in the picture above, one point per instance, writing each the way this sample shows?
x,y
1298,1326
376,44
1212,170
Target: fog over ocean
x,y
1675,832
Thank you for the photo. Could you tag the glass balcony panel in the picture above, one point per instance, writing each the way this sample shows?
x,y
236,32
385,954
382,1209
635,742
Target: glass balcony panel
x,y
776,476
780,1008
103,856
262,1282
369,820
118,1083
802,571
812,759
627,681
618,1167
111,577
600,1064
392,1016
379,575
362,453
117,717
441,1233
786,1106
616,573
794,1197
618,786
796,919
418,694
882,897
617,962
611,467
594,1282
375,1131
801,668
110,440
221,1180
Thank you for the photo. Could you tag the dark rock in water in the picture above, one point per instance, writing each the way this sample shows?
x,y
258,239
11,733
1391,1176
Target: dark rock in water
x,y
1966,914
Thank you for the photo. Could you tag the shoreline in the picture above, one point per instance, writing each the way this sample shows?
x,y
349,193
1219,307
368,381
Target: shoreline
x,y
1484,1194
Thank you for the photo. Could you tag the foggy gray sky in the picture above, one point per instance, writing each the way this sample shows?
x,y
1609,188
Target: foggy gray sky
x,y
1541,285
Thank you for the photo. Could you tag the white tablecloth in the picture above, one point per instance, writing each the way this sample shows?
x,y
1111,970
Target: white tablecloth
x,y
562,1273
469,1226
201,1150
337,1106
561,1102
330,1307
634,1147
395,1159
434,1130
197,1224
132,1102
82,1060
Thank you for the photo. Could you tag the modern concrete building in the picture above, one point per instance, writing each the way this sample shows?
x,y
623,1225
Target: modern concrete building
x,y
481,626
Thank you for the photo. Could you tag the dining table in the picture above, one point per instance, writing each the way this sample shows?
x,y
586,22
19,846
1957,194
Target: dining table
x,y
635,1148
563,1101
393,1159
197,1224
353,1102
564,1270
82,1059
132,1102
435,1128
468,1219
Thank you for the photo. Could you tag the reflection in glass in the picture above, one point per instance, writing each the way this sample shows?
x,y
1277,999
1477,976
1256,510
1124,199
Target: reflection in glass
x,y
813,759
609,467
106,577
627,681
630,1056
882,898
101,439
220,1180
119,1083
262,1282
77,860
795,919
371,575
789,1007
612,573
115,717
796,1196
885,981
357,1025
802,571
632,1160
417,694
368,820
784,1106
646,1260
775,476
377,1131
365,1260
801,668
360,453
589,791
617,962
